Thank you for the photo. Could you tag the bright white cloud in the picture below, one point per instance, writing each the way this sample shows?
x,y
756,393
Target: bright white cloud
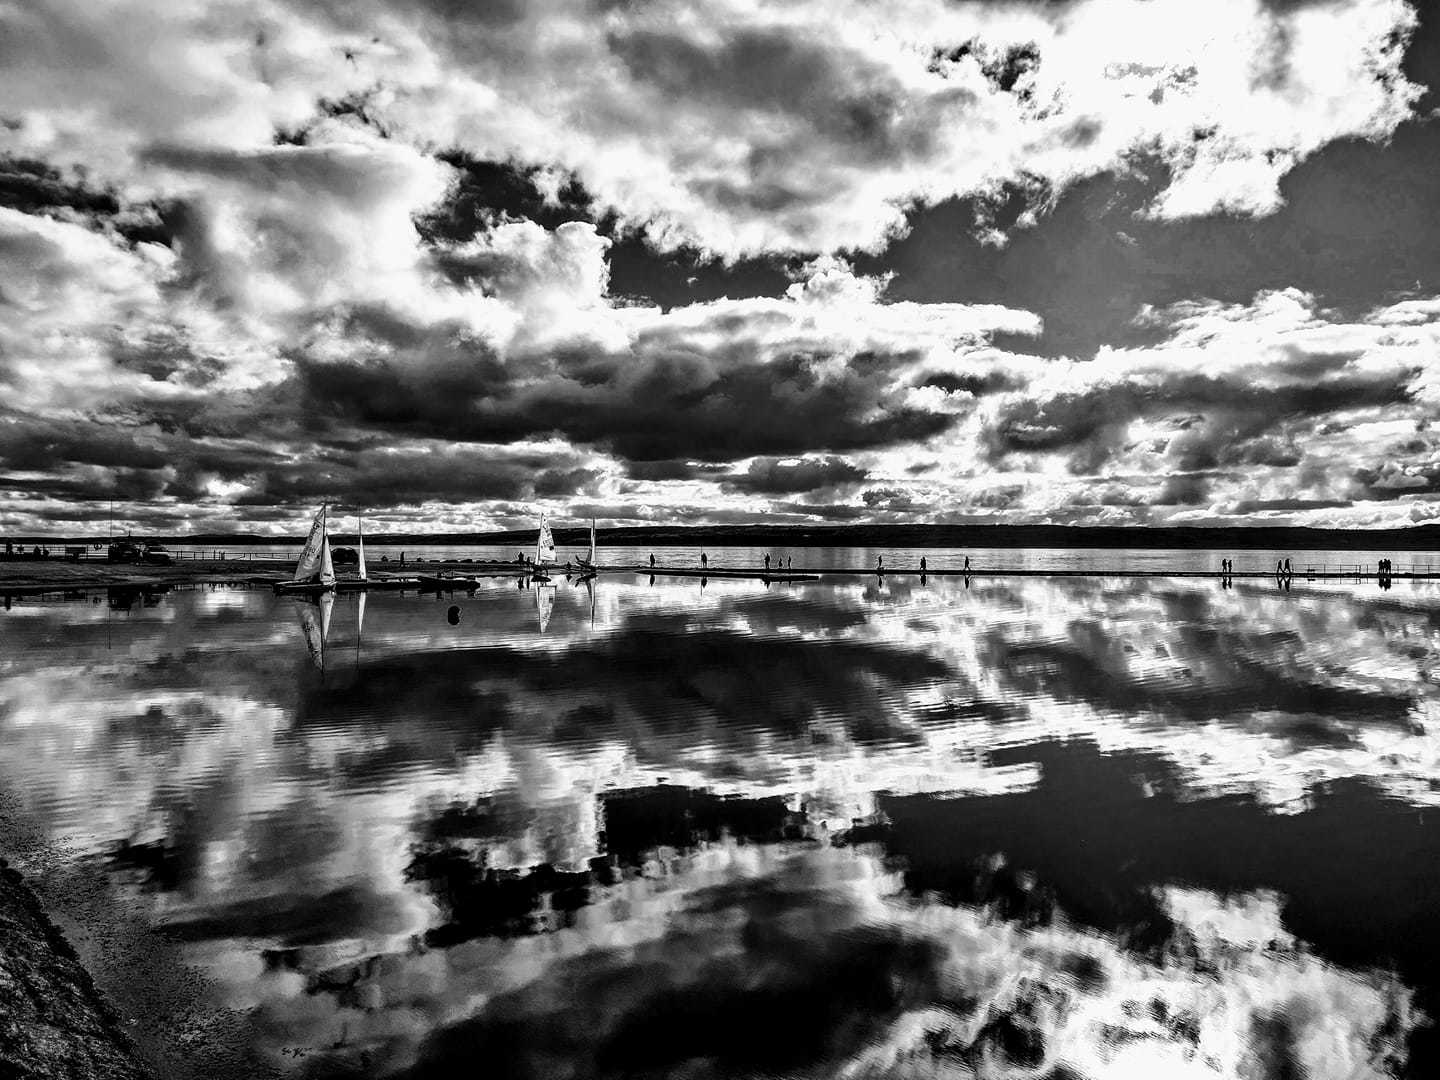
x,y
736,127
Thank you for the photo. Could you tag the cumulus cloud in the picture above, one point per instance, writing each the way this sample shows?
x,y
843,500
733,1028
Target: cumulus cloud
x,y
266,234
733,129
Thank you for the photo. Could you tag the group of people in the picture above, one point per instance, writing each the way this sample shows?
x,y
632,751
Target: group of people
x,y
880,564
37,552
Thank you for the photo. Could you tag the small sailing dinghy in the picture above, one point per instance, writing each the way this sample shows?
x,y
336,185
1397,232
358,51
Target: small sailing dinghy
x,y
361,579
586,563
315,572
545,554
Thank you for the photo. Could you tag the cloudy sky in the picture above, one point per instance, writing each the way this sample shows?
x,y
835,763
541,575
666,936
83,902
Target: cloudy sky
x,y
1077,261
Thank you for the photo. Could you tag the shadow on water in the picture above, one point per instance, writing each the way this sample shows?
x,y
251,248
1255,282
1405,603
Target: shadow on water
x,y
1042,828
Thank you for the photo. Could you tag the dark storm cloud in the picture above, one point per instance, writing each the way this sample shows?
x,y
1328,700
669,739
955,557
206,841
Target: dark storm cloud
x,y
675,469
28,444
35,187
383,476
778,476
1396,480
662,401
1254,506
978,384
1089,425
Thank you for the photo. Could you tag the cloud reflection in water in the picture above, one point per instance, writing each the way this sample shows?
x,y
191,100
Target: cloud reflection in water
x,y
1039,825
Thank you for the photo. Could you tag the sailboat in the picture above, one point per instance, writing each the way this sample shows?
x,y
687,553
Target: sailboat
x,y
315,572
586,563
545,554
361,581
360,570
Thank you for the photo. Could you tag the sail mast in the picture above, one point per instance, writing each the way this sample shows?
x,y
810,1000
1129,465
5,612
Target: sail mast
x,y
360,527
327,566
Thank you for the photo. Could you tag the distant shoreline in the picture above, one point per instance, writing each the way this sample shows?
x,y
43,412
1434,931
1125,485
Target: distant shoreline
x,y
1239,538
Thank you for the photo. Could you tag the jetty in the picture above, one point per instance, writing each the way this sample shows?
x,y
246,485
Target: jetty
x,y
31,576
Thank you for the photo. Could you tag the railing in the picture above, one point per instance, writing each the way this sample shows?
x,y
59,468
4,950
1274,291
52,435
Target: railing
x,y
217,555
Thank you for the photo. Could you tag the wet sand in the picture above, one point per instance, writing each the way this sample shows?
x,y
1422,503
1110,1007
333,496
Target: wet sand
x,y
54,1023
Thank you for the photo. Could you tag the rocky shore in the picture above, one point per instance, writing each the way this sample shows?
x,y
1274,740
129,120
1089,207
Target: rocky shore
x,y
53,1021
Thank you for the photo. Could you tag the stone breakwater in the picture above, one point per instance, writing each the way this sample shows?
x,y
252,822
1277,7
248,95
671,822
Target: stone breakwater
x,y
53,1021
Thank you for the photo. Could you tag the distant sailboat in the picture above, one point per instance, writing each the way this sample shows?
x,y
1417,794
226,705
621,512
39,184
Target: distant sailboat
x,y
360,570
315,625
587,562
545,553
315,571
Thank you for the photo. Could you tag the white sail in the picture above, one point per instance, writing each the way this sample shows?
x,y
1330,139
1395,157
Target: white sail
x,y
309,564
545,546
591,560
360,527
327,568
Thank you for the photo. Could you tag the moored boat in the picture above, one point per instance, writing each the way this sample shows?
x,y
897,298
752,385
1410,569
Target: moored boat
x,y
315,572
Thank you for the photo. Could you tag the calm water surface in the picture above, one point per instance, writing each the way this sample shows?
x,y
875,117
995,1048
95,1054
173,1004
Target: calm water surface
x,y
1041,828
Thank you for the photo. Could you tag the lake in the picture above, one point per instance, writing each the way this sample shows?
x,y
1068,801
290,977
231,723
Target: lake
x,y
1015,827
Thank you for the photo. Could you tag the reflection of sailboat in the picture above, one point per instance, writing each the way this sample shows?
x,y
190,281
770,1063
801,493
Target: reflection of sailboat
x,y
314,618
587,562
314,572
360,570
359,620
544,605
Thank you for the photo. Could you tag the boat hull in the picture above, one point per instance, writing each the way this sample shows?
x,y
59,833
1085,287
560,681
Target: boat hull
x,y
303,588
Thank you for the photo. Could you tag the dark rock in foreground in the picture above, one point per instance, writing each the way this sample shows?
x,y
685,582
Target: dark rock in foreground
x,y
53,1021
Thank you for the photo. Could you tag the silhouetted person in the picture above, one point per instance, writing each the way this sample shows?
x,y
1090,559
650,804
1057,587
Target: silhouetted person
x,y
879,564
704,561
1288,571
652,560
767,562
967,564
922,565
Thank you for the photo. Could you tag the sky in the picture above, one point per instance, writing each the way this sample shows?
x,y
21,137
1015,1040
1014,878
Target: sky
x,y
669,262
